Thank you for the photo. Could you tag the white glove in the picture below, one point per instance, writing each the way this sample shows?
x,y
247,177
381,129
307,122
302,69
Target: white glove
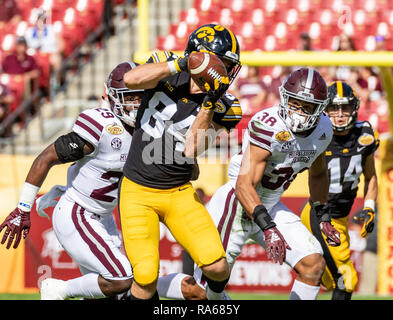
x,y
48,200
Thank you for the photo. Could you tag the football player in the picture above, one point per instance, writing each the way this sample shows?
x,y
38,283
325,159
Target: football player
x,y
350,154
82,219
280,142
175,120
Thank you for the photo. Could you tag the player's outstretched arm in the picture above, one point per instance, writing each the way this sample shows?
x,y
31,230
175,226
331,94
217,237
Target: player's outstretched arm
x,y
318,182
250,174
17,223
203,130
147,76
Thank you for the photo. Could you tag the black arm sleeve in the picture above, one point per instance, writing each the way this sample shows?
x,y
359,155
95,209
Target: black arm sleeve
x,y
69,147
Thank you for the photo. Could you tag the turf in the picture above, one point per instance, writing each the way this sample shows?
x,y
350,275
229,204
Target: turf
x,y
233,295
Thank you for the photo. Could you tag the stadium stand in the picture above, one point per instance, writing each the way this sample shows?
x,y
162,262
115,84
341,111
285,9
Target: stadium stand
x,y
70,21
277,25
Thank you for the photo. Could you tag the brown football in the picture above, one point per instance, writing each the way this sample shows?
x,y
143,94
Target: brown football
x,y
205,67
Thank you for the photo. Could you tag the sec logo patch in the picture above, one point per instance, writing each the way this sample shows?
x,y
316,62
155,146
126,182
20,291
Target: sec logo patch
x,y
114,129
116,143
366,139
283,136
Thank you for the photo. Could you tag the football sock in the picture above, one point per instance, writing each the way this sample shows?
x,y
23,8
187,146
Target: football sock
x,y
170,286
155,297
214,290
341,295
85,286
303,291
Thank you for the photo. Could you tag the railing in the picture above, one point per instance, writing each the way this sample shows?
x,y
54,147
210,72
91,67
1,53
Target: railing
x,y
81,58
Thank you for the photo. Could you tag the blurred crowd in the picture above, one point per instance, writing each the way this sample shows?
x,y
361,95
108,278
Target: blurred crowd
x,y
257,87
35,39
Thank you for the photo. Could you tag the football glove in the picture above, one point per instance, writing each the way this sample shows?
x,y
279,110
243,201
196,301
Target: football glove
x,y
17,224
332,235
275,243
48,200
181,63
213,95
367,217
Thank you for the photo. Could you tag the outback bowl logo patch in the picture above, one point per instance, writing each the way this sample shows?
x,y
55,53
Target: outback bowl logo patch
x,y
283,136
114,129
116,143
366,139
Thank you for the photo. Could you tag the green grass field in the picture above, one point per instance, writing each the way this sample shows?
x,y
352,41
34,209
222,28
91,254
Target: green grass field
x,y
233,295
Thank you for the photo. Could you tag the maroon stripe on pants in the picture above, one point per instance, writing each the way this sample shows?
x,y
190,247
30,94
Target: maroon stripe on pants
x,y
230,222
226,207
100,255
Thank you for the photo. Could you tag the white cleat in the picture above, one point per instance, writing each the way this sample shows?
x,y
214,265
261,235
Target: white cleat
x,y
53,289
211,295
225,296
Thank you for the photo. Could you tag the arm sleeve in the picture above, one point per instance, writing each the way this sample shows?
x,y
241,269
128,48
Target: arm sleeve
x,y
228,112
69,147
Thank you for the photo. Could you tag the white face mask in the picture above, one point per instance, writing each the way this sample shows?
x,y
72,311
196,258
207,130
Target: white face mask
x,y
119,107
298,121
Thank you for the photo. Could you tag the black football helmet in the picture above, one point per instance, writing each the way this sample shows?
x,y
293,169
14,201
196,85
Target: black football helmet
x,y
342,96
124,101
221,41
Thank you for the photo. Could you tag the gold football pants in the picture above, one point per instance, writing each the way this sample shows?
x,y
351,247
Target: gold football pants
x,y
340,272
142,208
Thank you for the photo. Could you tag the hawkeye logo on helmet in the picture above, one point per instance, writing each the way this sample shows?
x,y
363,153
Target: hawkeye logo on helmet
x,y
206,34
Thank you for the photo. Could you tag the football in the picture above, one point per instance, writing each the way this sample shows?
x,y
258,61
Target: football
x,y
205,67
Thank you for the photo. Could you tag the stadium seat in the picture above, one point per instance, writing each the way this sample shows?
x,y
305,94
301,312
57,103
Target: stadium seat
x,y
43,62
16,83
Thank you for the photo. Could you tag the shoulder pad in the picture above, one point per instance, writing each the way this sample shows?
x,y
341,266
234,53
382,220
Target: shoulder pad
x,y
260,134
89,124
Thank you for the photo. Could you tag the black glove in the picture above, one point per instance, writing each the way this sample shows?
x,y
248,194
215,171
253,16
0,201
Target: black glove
x,y
332,235
367,216
181,63
214,94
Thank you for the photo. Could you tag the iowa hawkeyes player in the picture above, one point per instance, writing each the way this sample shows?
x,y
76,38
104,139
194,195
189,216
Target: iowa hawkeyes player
x,y
350,154
172,128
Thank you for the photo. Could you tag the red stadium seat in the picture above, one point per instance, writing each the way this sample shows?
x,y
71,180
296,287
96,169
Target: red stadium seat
x,y
16,83
44,64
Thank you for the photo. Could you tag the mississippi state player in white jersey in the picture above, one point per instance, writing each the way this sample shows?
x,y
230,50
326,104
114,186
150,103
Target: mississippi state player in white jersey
x,y
280,142
82,219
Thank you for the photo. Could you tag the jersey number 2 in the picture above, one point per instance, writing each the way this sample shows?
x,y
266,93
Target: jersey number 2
x,y
101,194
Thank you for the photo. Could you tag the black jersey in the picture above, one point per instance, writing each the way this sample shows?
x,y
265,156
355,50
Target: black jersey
x,y
156,157
346,158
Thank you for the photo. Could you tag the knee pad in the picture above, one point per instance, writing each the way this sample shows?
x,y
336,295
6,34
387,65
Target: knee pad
x,y
145,273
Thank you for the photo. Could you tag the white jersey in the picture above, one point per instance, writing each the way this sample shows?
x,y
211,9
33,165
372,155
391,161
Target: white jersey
x,y
290,154
92,181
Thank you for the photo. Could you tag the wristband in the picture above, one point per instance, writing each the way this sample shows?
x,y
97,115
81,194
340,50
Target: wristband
x,y
172,67
369,203
262,218
27,196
